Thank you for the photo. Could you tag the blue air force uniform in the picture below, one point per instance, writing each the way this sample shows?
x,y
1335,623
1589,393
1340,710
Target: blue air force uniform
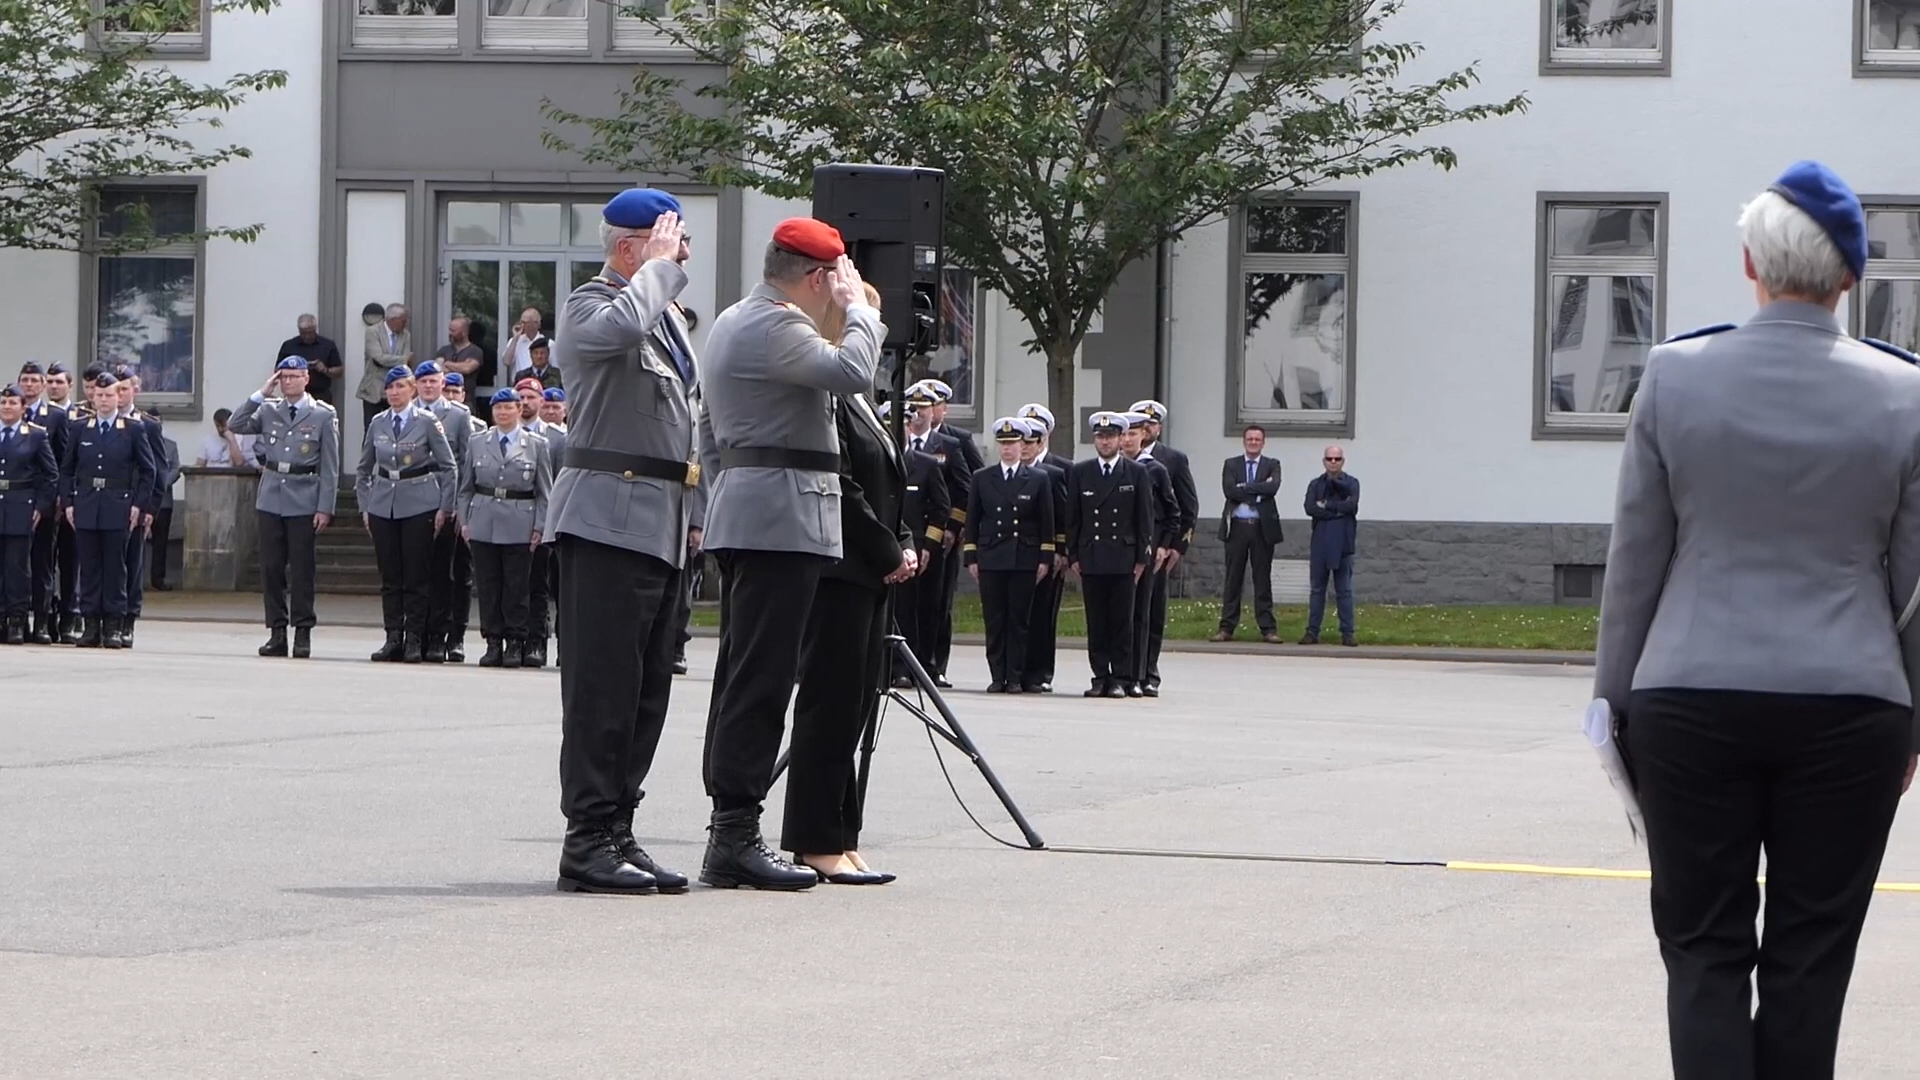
x,y
51,546
28,475
136,554
107,479
1009,537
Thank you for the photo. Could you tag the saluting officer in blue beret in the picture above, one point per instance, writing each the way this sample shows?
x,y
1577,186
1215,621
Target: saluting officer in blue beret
x,y
28,475
107,477
1765,542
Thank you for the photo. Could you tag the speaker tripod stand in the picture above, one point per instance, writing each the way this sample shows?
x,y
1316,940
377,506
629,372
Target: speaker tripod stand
x,y
946,726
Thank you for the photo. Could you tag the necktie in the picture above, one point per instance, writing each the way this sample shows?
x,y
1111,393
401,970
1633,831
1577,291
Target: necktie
x,y
104,425
1008,472
680,359
6,436
918,442
1106,468
503,445
396,425
1250,466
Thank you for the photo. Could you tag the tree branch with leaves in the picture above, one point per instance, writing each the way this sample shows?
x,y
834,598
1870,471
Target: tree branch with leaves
x,y
1076,135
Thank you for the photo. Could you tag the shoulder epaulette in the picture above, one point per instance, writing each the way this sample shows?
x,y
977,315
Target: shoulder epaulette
x,y
31,426
1889,347
1705,331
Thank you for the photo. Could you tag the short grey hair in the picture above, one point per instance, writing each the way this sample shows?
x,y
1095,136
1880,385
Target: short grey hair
x,y
611,235
394,310
784,265
1792,255
306,320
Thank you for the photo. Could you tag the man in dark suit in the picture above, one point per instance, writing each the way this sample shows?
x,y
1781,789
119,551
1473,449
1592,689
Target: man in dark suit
x,y
971,462
1044,625
1333,502
1110,545
1187,497
1250,527
1009,550
844,646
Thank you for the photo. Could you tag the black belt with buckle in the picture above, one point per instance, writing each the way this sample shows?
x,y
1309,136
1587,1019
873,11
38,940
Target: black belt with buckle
x,y
630,466
106,483
18,485
503,493
284,469
402,474
778,457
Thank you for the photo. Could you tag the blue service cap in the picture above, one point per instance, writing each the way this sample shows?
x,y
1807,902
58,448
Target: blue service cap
x,y
638,208
454,378
103,378
397,373
56,369
291,363
31,368
554,393
1037,411
1820,193
11,390
426,368
504,396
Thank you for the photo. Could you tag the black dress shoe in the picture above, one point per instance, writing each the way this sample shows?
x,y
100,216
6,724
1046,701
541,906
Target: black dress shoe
x,y
276,642
391,652
42,634
1016,688
1133,690
515,654
1149,691
1309,639
1113,690
848,877
902,682
536,654
1046,687
493,655
667,881
1098,689
457,648
679,665
737,856
1348,640
302,642
940,681
1033,688
16,631
996,688
74,631
163,586
110,633
590,862
126,631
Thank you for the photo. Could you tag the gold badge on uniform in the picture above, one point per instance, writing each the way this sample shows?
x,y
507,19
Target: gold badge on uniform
x,y
406,459
306,448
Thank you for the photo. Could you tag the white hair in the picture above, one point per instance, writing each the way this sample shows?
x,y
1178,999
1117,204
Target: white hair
x,y
306,320
611,234
1792,255
395,310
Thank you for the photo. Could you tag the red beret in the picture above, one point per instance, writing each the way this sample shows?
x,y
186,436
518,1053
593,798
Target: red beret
x,y
529,381
806,236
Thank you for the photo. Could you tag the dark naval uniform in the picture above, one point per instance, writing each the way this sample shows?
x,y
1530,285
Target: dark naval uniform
x,y
52,539
1009,537
926,513
136,553
106,479
1109,536
1043,626
933,587
970,462
1187,499
1165,532
28,476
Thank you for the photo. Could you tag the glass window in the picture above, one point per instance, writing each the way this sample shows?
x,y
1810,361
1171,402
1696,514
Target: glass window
x,y
533,224
586,224
186,26
535,24
428,24
146,302
1890,33
956,360
1293,333
1606,34
473,223
1603,290
637,33
1887,303
564,9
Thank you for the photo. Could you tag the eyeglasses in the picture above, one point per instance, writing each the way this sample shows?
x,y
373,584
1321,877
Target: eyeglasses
x,y
1335,459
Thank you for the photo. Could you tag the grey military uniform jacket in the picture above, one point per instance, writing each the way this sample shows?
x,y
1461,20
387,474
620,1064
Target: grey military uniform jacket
x,y
409,475
300,475
1767,530
770,382
625,396
458,425
489,481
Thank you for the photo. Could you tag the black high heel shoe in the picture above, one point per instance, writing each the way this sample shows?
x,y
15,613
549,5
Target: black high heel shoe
x,y
849,877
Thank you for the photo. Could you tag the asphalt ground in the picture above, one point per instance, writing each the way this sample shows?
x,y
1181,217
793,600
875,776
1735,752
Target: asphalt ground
x,y
215,865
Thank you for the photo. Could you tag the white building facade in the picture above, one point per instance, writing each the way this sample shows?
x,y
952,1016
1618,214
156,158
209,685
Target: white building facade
x,y
1473,338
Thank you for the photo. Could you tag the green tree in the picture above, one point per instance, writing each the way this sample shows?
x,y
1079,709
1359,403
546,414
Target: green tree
x,y
1076,135
78,106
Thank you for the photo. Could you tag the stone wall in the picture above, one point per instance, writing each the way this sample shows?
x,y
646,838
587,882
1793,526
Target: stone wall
x,y
1425,562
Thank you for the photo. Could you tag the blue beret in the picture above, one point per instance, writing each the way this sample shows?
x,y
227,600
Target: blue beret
x,y
638,208
454,378
504,396
397,374
291,363
1823,196
555,394
426,368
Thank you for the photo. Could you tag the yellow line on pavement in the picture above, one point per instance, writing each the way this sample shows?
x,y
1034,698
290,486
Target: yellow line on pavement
x,y
1637,875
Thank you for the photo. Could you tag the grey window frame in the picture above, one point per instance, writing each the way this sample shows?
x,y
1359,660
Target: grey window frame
x,y
1275,420
1865,67
1640,66
1585,426
164,46
582,44
167,405
1904,269
602,46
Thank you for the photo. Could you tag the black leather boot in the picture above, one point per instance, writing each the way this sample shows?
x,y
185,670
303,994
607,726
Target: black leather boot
x,y
391,651
42,629
515,654
276,642
302,642
126,630
668,881
72,630
737,856
17,630
434,649
110,632
491,658
411,652
88,630
591,862
457,646
536,654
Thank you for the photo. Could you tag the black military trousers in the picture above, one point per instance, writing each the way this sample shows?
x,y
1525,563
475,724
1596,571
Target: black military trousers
x,y
501,575
286,569
540,592
684,633
1109,600
765,597
840,666
157,546
440,589
1043,628
43,566
616,674
942,643
916,607
1812,780
67,553
1247,547
403,550
101,565
1142,627
16,575
1006,606
1157,626
135,555
462,584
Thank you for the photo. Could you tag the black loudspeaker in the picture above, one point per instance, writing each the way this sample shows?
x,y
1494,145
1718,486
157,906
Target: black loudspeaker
x,y
893,219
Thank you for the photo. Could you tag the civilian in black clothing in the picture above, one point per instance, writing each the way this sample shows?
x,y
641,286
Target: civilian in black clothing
x,y
321,354
1250,527
461,356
